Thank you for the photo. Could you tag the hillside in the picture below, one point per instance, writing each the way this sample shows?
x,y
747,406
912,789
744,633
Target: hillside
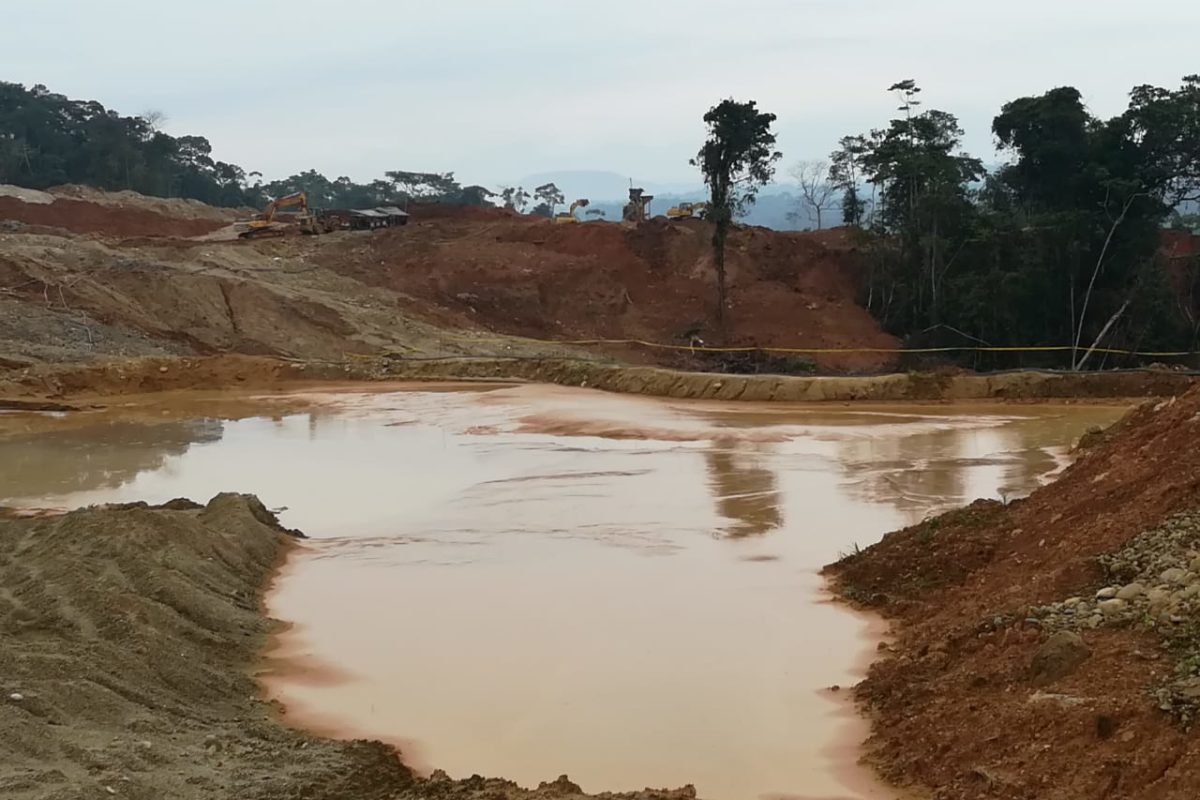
x,y
1048,647
85,274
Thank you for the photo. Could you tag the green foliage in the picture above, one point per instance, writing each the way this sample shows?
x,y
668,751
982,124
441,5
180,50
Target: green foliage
x,y
47,139
549,196
738,158
1060,246
845,172
515,198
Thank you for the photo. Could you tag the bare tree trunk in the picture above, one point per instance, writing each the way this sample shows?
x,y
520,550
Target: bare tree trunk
x,y
718,241
1103,331
1095,272
933,315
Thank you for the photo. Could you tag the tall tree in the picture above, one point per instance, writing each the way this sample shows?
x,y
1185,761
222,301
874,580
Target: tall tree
x,y
738,157
550,196
515,198
816,189
845,172
925,213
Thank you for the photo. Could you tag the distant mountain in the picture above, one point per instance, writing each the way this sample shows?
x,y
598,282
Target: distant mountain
x,y
772,209
609,191
599,186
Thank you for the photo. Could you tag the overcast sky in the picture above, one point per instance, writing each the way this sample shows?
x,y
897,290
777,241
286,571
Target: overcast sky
x,y
499,89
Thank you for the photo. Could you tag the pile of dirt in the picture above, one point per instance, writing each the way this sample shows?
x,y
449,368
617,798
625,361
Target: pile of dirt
x,y
424,211
177,207
110,219
654,281
158,296
129,637
962,702
173,271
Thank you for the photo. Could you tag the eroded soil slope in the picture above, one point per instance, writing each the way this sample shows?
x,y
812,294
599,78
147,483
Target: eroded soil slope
x,y
85,274
654,281
1049,648
130,634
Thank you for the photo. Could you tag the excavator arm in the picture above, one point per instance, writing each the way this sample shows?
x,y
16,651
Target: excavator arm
x,y
288,200
262,224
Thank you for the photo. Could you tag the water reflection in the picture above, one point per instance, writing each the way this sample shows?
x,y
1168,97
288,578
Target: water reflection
x,y
94,458
527,582
744,487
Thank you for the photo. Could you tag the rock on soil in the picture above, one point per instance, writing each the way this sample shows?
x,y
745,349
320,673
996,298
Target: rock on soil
x,y
1101,559
1061,655
129,635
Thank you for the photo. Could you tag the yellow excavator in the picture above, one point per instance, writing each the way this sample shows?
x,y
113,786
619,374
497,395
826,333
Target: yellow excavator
x,y
263,225
688,211
569,216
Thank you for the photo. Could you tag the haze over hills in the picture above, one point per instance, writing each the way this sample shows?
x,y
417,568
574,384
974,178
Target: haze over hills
x,y
609,191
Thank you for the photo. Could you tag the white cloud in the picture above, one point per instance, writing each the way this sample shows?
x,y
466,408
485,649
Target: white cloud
x,y
498,90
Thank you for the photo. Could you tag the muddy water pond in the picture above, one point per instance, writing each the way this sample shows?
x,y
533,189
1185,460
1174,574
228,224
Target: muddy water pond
x,y
527,581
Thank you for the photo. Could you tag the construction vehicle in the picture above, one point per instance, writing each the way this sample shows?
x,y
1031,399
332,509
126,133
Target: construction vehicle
x,y
263,225
688,211
638,207
569,216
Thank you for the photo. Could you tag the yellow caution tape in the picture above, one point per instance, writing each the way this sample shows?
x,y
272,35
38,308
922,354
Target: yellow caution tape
x,y
816,350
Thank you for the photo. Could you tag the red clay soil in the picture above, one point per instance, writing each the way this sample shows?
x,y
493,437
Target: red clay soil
x,y
953,706
606,280
427,211
78,216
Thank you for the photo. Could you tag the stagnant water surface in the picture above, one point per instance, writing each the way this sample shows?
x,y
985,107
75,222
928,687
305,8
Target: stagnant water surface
x,y
527,581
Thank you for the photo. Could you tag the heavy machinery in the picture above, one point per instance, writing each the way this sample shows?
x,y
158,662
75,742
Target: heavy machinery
x,y
569,216
263,225
638,207
688,211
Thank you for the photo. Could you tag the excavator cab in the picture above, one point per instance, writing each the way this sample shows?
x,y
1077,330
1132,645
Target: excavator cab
x,y
568,217
688,211
264,225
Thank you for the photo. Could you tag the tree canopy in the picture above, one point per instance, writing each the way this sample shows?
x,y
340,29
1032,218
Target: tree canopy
x,y
1058,247
737,158
47,139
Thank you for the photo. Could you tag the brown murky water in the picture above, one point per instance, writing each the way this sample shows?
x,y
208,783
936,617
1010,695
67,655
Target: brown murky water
x,y
529,581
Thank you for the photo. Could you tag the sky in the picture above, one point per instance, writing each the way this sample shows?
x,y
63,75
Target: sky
x,y
497,90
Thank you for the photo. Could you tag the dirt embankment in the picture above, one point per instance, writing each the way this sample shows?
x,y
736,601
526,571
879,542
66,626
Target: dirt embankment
x,y
97,271
654,281
83,210
130,634
80,382
1047,649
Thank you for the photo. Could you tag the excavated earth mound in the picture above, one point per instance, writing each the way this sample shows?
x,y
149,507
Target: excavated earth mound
x,y
83,210
129,637
654,281
153,276
1048,648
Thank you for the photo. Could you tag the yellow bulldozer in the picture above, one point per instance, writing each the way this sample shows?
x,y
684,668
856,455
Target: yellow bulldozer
x,y
264,224
688,211
569,216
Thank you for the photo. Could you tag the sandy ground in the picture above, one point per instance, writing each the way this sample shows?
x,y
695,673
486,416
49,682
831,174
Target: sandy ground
x,y
131,636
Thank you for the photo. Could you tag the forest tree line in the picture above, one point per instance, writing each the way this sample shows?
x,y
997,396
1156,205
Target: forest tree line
x,y
1060,247
48,139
